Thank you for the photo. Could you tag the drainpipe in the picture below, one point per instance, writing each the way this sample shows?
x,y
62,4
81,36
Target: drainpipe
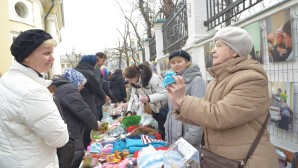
x,y
45,18
45,25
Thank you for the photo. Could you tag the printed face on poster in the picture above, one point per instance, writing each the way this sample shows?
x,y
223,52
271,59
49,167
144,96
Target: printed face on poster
x,y
164,66
279,37
255,32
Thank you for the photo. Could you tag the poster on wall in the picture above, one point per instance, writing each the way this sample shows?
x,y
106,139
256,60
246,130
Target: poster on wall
x,y
279,37
282,104
164,66
208,54
255,32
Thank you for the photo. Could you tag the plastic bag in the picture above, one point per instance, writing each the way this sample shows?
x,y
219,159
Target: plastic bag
x,y
106,109
138,106
147,119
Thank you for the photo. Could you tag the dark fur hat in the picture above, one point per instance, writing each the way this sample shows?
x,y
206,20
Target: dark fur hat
x,y
27,42
180,53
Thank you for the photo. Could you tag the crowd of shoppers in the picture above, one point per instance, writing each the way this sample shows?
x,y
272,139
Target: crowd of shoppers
x,y
228,114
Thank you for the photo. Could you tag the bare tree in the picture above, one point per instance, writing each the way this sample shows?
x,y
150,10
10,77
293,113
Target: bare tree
x,y
125,50
147,9
128,50
168,7
73,58
134,26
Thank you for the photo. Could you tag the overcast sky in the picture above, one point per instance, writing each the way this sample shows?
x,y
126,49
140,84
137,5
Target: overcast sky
x,y
91,25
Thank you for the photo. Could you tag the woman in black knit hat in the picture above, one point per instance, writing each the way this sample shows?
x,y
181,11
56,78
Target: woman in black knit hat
x,y
31,127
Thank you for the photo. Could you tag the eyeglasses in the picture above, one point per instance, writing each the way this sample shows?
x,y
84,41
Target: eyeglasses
x,y
219,45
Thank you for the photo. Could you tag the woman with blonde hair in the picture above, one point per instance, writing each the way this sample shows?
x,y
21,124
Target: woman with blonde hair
x,y
180,62
31,127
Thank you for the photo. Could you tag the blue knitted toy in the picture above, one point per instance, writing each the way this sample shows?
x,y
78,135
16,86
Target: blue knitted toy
x,y
169,78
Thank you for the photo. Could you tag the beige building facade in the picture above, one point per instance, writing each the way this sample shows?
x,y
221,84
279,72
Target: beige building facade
x,y
21,15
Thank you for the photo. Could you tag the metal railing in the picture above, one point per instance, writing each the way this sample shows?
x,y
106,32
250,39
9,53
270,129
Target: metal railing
x,y
152,47
226,11
175,29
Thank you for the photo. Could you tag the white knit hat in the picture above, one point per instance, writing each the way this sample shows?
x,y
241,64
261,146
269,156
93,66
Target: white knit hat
x,y
238,39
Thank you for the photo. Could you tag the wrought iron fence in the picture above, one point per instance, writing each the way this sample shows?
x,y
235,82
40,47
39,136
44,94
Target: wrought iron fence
x,y
175,32
226,11
152,46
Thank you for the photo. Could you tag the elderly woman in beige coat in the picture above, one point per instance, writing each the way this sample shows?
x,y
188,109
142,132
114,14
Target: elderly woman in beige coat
x,y
236,103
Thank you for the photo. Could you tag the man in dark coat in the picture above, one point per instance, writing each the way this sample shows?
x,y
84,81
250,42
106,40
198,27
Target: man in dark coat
x,y
101,97
76,112
117,85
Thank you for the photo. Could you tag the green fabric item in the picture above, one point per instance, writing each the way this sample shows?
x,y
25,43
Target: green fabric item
x,y
131,120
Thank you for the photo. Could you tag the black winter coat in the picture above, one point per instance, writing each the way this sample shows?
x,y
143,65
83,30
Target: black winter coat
x,y
91,87
101,95
75,110
106,88
117,85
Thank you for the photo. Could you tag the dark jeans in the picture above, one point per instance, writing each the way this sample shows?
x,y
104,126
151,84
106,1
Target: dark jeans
x,y
284,123
161,119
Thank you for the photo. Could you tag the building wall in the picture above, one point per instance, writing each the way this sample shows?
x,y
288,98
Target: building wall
x,y
12,24
5,57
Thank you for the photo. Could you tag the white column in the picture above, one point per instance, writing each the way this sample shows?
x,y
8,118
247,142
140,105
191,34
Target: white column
x,y
52,28
147,49
196,15
140,52
159,38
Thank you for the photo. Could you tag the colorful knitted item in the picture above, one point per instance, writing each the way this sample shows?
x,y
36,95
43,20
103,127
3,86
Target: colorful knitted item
x,y
131,120
119,145
148,158
147,139
95,148
107,149
143,130
168,79
131,128
134,145
157,136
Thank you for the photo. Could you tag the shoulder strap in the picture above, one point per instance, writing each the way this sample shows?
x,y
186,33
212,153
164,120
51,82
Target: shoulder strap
x,y
256,141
